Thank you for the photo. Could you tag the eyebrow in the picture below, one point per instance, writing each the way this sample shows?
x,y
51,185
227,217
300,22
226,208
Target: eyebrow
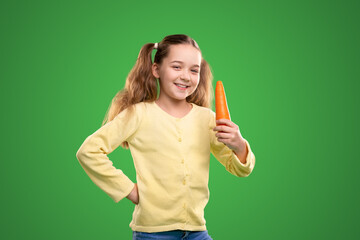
x,y
195,65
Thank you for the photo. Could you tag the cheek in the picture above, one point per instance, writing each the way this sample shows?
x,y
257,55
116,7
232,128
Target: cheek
x,y
174,74
195,86
196,80
170,76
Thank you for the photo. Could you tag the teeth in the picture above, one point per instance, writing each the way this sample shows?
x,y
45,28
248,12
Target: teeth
x,y
183,86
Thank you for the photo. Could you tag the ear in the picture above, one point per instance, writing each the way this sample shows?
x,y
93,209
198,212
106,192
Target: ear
x,y
155,70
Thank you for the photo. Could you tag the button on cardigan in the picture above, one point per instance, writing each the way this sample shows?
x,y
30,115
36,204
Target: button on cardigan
x,y
171,157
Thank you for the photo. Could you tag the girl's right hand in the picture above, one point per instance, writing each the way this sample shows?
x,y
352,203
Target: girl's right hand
x,y
134,195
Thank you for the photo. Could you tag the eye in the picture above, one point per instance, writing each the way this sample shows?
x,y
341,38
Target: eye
x,y
196,71
176,67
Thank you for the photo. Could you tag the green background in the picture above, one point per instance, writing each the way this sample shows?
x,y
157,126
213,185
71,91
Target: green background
x,y
291,74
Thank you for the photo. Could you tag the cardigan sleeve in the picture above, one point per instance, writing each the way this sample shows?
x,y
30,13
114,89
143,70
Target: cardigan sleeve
x,y
226,156
92,154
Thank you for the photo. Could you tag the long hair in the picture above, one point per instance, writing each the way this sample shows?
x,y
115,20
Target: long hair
x,y
141,85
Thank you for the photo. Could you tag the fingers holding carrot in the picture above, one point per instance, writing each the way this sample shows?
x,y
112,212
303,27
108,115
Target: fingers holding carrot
x,y
225,125
229,134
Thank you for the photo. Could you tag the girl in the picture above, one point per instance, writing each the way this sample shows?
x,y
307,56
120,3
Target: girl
x,y
170,137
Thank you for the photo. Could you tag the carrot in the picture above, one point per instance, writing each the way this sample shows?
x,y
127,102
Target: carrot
x,y
222,110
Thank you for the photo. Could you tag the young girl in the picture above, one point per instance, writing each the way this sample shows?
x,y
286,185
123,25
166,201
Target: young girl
x,y
170,137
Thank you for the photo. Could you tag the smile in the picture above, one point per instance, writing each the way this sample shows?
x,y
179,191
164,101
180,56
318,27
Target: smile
x,y
181,87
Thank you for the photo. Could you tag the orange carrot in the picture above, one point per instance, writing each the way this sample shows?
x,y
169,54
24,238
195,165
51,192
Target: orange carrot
x,y
222,110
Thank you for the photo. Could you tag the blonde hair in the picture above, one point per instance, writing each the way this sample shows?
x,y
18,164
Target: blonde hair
x,y
141,85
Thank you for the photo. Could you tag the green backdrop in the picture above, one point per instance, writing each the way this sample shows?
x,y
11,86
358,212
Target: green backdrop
x,y
291,74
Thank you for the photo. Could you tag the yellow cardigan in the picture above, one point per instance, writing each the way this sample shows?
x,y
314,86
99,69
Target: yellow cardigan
x,y
171,158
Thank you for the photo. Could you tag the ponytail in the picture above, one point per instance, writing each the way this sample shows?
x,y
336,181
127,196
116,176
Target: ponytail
x,y
140,86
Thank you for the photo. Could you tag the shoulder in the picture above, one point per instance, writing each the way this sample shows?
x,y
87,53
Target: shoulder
x,y
205,110
141,106
206,114
134,111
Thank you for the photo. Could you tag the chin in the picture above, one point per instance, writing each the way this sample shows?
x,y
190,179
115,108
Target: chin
x,y
181,98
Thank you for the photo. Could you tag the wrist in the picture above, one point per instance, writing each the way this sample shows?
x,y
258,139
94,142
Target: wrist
x,y
241,148
242,152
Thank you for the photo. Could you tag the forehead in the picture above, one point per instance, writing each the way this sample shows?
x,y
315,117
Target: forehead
x,y
185,53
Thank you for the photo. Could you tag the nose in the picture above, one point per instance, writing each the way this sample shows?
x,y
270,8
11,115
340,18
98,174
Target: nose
x,y
185,75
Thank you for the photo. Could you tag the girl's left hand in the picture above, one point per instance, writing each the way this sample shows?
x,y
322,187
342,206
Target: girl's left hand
x,y
230,135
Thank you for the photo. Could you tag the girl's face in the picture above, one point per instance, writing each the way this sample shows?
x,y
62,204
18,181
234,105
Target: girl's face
x,y
179,73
